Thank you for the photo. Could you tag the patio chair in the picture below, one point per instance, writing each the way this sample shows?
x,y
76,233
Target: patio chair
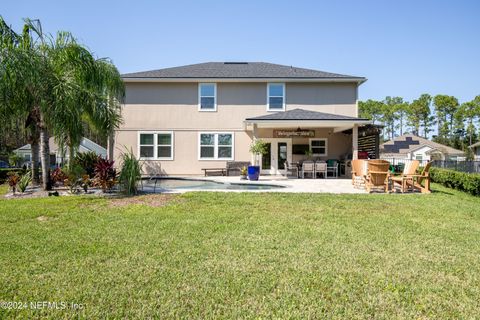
x,y
332,167
321,167
359,173
417,180
289,168
409,169
308,167
377,176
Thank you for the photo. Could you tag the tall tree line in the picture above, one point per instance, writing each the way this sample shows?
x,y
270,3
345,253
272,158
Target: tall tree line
x,y
456,125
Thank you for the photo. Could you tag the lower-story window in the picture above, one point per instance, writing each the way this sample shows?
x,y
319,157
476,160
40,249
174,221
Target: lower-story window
x,y
156,145
318,147
216,146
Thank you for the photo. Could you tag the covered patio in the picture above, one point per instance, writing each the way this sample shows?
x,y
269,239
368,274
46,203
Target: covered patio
x,y
300,136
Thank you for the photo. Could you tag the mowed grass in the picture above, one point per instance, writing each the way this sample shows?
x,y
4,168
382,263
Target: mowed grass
x,y
245,255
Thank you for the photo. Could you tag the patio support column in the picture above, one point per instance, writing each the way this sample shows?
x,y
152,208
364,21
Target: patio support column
x,y
355,142
252,157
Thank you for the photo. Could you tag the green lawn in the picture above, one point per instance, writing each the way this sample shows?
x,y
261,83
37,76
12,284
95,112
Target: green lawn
x,y
244,255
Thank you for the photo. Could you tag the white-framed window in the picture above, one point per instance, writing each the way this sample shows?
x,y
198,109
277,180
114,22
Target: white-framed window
x,y
207,97
275,96
216,146
419,157
156,145
318,147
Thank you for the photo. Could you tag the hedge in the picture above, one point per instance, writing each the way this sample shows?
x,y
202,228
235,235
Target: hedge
x,y
466,182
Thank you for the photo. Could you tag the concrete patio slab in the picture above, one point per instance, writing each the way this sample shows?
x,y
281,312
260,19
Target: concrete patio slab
x,y
337,186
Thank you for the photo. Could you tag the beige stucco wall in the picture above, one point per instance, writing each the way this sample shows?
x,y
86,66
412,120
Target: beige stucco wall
x,y
185,157
174,107
167,105
185,152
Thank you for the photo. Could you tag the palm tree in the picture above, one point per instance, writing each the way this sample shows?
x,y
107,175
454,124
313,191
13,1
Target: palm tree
x,y
85,90
71,88
20,90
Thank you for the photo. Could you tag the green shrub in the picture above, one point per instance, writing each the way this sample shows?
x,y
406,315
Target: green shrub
x,y
24,181
466,182
14,160
130,174
88,161
74,179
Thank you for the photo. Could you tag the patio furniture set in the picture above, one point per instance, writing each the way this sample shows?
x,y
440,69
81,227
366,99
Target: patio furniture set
x,y
371,175
376,174
312,169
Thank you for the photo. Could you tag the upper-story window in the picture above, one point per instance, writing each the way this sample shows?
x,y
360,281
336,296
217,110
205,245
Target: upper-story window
x,y
207,97
276,97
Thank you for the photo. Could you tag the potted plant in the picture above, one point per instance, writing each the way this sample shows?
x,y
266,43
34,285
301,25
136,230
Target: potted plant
x,y
257,148
243,173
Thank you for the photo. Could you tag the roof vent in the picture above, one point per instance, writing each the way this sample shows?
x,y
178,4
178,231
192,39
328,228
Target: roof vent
x,y
235,62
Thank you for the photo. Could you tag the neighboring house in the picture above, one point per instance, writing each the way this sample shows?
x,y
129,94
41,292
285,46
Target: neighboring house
x,y
476,150
56,155
182,119
412,147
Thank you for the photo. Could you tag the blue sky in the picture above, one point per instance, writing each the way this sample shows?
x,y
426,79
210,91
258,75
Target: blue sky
x,y
404,48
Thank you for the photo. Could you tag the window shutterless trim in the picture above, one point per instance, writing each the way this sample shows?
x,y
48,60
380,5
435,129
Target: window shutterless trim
x,y
155,145
283,100
215,145
319,139
214,97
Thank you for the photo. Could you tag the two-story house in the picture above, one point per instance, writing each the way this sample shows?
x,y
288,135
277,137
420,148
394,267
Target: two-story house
x,y
182,119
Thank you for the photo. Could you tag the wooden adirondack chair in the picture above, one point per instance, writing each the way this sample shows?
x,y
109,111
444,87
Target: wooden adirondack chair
x,y
359,173
409,170
418,179
378,175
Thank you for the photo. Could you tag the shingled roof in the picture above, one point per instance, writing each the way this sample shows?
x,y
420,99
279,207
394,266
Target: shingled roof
x,y
300,114
475,145
235,70
409,142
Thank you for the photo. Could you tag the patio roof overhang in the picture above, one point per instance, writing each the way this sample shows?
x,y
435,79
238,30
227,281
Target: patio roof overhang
x,y
304,118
